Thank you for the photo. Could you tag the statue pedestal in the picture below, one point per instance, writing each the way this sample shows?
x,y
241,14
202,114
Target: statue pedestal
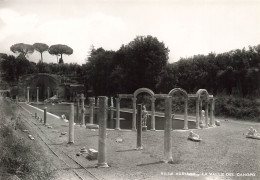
x,y
144,128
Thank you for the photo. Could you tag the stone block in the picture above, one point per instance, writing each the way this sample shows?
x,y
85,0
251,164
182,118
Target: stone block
x,y
92,154
217,123
92,126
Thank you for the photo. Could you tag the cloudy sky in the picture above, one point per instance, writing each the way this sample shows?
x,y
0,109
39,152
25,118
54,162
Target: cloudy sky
x,y
187,27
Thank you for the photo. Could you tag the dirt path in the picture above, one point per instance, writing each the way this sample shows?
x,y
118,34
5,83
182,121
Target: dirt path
x,y
224,153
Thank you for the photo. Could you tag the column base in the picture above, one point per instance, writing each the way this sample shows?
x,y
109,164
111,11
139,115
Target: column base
x,y
81,125
117,129
185,128
139,148
70,142
102,165
152,129
197,127
169,161
134,129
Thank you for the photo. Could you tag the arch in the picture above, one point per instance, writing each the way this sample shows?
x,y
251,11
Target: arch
x,y
201,91
46,83
199,108
43,75
185,94
141,90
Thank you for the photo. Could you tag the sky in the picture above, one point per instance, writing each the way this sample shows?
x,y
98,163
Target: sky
x,y
186,27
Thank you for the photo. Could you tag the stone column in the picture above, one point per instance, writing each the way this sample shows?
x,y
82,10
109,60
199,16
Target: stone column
x,y
134,114
207,113
102,111
71,124
83,109
153,114
167,131
91,110
117,113
57,92
186,114
197,114
212,109
48,92
111,112
200,109
97,103
77,110
17,99
45,115
139,127
37,95
28,94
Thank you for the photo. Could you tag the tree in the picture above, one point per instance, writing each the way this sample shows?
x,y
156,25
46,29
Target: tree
x,y
60,49
98,70
144,61
22,49
13,68
41,48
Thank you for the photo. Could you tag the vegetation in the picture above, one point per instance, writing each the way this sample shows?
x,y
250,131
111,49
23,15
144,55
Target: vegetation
x,y
17,158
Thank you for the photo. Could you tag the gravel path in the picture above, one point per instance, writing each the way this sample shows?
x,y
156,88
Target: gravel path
x,y
223,153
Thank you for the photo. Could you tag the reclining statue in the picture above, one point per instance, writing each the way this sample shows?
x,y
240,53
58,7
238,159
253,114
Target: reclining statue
x,y
252,133
194,137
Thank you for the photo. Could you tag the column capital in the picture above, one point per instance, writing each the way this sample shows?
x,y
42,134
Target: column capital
x,y
118,99
28,87
134,99
153,99
82,96
91,99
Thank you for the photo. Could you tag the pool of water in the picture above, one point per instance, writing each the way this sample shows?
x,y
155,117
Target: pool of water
x,y
59,109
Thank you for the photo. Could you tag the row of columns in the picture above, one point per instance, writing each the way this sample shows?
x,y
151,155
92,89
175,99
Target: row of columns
x,y
198,113
37,93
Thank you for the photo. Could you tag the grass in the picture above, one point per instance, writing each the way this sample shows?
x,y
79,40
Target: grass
x,y
17,158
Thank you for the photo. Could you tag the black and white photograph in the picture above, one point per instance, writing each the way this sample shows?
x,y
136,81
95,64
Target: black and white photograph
x,y
129,89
